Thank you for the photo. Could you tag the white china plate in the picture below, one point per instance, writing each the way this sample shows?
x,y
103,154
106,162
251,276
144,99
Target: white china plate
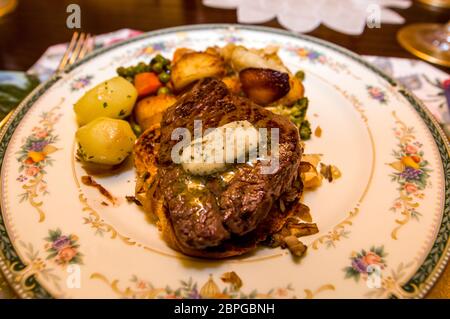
x,y
384,225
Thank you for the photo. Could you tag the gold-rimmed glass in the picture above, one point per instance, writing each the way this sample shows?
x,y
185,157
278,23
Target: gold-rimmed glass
x,y
428,41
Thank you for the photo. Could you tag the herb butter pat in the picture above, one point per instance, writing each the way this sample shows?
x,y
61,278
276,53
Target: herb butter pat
x,y
234,142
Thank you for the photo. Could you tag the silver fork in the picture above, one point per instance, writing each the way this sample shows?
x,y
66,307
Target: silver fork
x,y
80,45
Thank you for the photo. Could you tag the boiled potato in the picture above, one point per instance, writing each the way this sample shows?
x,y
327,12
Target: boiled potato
x,y
194,66
113,98
149,111
105,141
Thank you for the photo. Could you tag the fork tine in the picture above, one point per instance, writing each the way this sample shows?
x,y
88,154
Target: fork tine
x,y
86,46
77,49
92,44
69,49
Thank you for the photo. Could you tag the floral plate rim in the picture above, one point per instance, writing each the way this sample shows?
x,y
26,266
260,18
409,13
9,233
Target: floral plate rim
x,y
437,257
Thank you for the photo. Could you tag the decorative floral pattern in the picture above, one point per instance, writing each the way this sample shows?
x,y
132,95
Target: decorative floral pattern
x,y
231,36
99,225
81,82
340,231
391,284
312,55
63,249
377,94
142,289
145,51
34,267
152,48
317,57
360,262
189,289
411,174
34,157
387,282
425,81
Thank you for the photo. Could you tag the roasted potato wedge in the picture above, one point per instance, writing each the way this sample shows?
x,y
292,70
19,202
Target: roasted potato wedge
x,y
195,66
215,50
310,176
233,84
296,92
149,111
263,86
179,53
242,58
227,51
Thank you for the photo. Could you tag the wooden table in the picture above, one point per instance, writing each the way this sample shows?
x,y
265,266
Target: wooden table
x,y
35,25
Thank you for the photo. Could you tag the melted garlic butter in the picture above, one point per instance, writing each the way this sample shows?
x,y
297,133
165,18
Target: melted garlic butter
x,y
227,144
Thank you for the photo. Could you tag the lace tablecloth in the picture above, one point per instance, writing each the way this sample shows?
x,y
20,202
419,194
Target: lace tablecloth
x,y
424,80
345,16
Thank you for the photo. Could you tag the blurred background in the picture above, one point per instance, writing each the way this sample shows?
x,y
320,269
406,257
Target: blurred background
x,y
34,25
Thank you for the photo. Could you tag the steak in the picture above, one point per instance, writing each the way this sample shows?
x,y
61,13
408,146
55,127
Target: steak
x,y
210,211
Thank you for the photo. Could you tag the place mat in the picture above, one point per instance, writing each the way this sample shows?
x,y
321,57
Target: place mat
x,y
424,80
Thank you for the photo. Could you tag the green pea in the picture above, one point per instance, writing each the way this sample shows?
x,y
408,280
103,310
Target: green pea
x,y
141,67
157,67
165,62
159,58
132,71
121,71
164,77
136,128
300,75
124,72
163,90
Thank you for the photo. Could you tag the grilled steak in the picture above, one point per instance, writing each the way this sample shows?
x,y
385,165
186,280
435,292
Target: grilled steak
x,y
207,212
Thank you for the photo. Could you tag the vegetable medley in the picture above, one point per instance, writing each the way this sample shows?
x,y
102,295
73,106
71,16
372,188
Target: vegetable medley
x,y
114,112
